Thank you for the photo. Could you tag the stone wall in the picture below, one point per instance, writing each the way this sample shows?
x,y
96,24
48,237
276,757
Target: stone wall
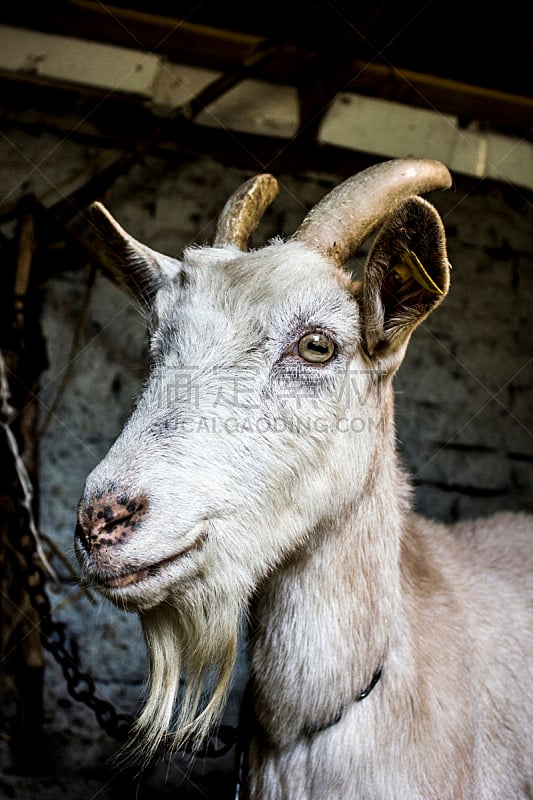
x,y
464,418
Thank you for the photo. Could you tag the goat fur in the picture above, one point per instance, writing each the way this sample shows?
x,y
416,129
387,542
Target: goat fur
x,y
289,505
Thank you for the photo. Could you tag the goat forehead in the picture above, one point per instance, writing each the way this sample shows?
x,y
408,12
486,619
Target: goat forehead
x,y
254,291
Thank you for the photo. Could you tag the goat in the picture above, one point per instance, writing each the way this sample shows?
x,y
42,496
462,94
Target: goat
x,y
390,655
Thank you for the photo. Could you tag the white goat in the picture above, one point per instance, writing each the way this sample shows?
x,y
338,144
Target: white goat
x,y
258,473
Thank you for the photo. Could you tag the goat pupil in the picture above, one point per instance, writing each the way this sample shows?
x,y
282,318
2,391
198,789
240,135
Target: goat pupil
x,y
318,346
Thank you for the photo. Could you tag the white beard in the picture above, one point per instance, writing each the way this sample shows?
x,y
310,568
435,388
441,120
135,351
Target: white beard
x,y
195,643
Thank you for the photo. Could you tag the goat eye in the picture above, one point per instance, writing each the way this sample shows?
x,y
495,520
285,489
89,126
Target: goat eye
x,y
317,348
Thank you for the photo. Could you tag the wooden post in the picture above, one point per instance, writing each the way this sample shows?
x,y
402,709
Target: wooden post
x,y
22,662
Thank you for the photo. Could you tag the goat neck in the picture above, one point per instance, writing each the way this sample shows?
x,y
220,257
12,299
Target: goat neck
x,y
344,582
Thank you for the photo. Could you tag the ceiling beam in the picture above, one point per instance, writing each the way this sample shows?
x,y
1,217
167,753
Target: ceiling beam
x,y
225,50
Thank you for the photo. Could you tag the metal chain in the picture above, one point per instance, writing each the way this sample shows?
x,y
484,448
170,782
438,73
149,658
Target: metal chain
x,y
80,685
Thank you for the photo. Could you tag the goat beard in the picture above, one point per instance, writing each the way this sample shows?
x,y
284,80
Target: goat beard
x,y
192,648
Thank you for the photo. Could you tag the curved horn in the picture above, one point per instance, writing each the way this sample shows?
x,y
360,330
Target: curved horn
x,y
347,215
243,211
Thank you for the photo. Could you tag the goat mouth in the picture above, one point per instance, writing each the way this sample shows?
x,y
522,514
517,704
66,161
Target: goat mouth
x,y
132,577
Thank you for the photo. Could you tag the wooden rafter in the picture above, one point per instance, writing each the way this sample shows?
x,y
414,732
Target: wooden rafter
x,y
224,50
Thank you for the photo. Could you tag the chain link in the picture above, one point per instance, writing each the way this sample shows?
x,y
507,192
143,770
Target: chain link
x,y
80,685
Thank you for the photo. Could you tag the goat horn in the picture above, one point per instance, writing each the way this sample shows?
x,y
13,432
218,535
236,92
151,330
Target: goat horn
x,y
243,211
347,215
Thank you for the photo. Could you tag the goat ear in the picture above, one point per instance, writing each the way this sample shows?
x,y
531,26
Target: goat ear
x,y
406,277
138,268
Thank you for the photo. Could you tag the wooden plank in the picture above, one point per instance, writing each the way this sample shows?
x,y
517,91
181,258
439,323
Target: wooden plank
x,y
264,110
442,94
211,47
222,50
71,60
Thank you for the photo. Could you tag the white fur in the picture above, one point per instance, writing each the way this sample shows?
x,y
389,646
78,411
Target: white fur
x,y
289,475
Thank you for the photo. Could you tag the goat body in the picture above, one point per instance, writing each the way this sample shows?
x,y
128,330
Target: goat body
x,y
390,656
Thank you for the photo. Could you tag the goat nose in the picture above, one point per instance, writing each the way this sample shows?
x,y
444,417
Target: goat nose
x,y
109,519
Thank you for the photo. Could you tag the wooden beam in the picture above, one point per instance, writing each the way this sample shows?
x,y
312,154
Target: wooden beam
x,y
468,102
224,50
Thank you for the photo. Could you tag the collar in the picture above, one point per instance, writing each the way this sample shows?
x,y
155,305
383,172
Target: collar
x,y
248,726
310,730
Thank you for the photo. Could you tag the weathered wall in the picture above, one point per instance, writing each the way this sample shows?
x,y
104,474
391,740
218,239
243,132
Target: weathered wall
x,y
463,406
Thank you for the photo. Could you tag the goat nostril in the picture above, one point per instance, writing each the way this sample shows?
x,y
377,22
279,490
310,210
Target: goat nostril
x,y
108,516
109,520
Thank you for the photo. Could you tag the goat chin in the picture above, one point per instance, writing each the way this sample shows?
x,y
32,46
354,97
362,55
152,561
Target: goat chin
x,y
192,650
